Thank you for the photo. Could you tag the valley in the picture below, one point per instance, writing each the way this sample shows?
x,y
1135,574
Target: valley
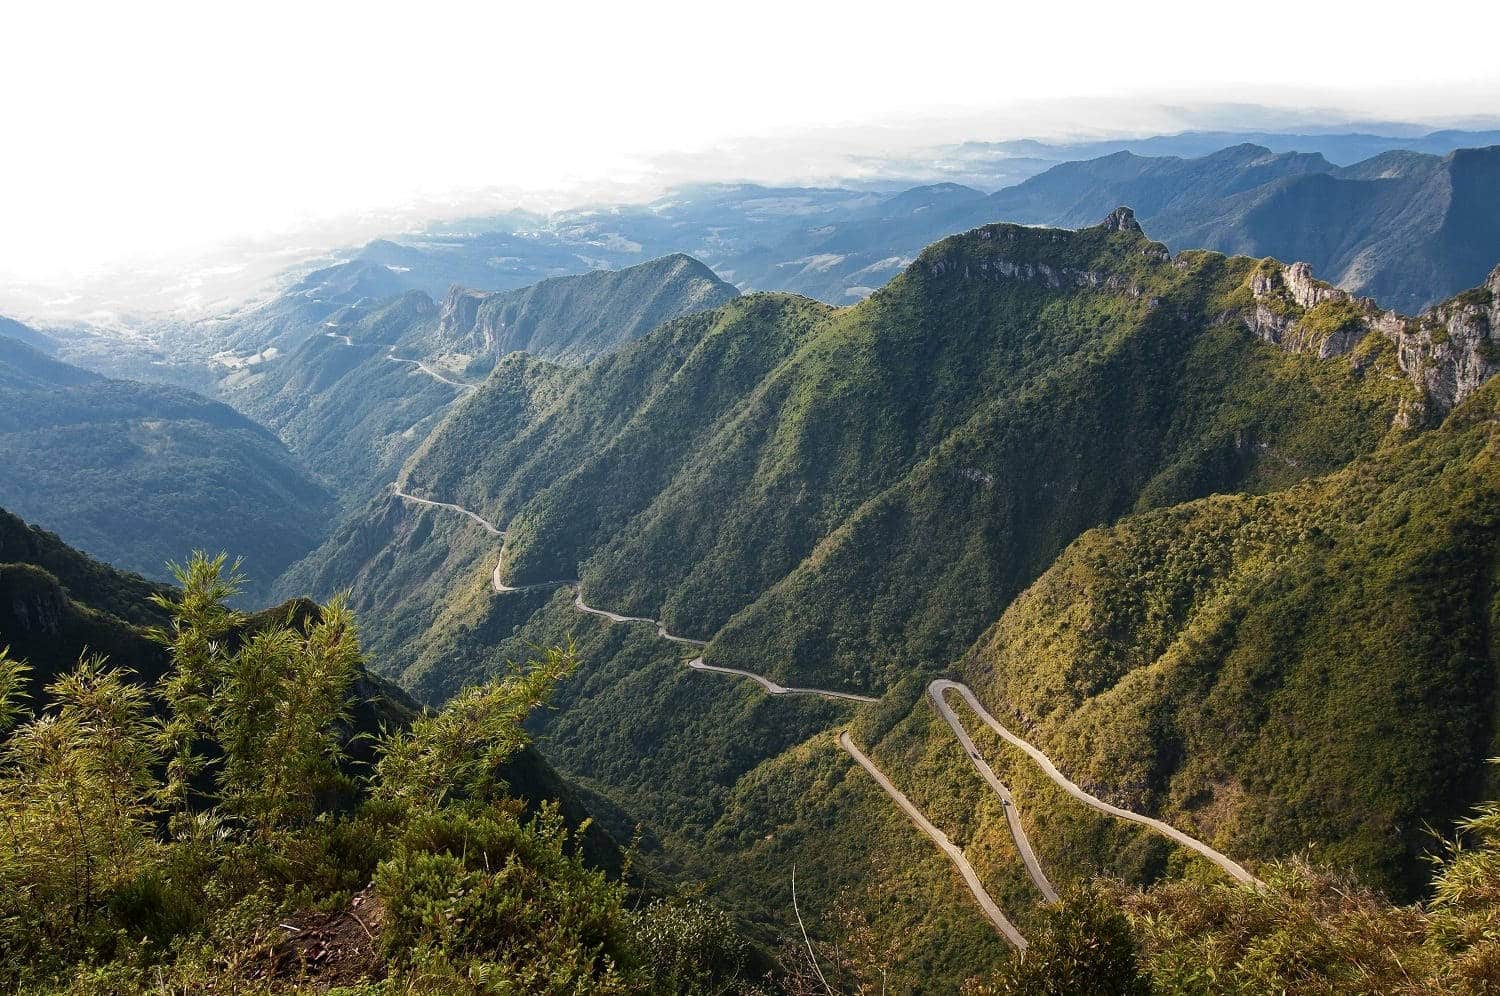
x,y
936,692
953,589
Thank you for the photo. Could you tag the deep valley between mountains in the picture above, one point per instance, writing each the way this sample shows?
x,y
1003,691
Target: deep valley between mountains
x,y
1065,582
1018,420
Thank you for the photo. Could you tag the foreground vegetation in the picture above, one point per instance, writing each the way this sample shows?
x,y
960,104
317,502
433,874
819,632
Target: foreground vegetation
x,y
1309,930
214,830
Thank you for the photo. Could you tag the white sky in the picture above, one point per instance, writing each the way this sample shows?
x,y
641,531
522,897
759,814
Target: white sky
x,y
127,131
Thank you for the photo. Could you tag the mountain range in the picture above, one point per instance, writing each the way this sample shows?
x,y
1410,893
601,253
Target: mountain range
x,y
1149,577
1408,228
362,383
1169,512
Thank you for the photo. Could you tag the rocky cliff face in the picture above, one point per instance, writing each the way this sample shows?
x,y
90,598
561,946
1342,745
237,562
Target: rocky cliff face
x,y
1451,349
575,318
458,320
1447,352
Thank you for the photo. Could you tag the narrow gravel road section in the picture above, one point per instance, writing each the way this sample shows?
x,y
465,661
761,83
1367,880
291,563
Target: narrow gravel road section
x,y
955,854
1012,814
938,688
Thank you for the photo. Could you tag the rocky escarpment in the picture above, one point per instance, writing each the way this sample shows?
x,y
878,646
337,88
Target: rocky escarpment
x,y
1304,315
458,321
1036,255
575,318
1446,352
1451,349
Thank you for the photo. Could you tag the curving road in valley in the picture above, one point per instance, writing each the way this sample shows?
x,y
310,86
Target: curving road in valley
x,y
943,685
936,691
697,663
953,851
391,355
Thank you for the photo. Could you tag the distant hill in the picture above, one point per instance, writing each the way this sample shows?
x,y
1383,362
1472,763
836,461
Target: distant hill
x,y
573,319
1405,228
141,474
12,329
351,400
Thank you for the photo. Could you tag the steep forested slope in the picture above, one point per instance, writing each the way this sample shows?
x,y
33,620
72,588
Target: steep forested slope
x,y
141,474
1314,667
352,399
849,497
887,477
572,319
57,603
343,403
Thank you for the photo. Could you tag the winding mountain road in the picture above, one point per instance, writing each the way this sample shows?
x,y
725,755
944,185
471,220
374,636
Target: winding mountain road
x,y
697,663
936,691
428,370
1012,815
953,851
943,685
489,526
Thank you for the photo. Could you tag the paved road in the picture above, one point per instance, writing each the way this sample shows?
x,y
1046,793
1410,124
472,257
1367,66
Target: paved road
x,y
938,688
1012,815
955,854
489,526
697,663
427,370
339,335
501,588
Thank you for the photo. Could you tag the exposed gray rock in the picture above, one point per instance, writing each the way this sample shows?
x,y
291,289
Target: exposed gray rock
x,y
458,319
1451,349
1121,219
1447,352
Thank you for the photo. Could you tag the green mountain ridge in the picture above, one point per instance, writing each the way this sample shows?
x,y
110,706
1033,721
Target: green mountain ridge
x,y
346,399
886,479
573,319
605,467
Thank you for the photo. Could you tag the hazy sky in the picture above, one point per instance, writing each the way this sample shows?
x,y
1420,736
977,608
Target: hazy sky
x,y
130,131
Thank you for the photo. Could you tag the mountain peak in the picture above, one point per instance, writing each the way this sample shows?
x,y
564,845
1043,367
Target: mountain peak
x,y
1121,219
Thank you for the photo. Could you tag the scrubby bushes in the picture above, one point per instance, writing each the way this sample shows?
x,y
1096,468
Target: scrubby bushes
x,y
160,838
